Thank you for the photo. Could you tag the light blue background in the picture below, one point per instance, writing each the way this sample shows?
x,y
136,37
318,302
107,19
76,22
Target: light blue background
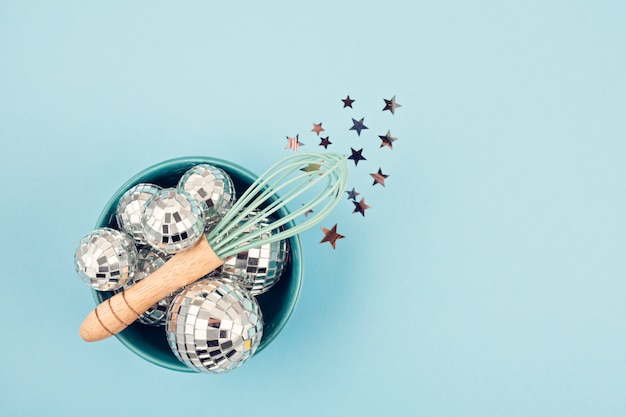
x,y
487,279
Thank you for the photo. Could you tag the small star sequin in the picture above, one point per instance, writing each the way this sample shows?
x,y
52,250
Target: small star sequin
x,y
317,128
379,178
358,125
325,142
306,213
360,207
391,105
311,168
356,156
331,236
293,143
352,194
387,140
347,102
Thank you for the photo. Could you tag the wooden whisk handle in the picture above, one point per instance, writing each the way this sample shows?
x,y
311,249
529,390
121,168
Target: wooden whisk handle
x,y
118,312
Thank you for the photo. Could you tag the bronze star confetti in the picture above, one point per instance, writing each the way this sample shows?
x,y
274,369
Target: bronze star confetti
x,y
331,235
347,102
387,140
391,105
306,213
358,125
293,143
325,142
317,128
356,156
311,168
352,194
360,207
379,178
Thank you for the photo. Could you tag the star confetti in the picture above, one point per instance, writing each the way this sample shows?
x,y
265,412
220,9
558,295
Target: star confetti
x,y
325,142
331,236
352,194
306,213
317,128
356,156
391,105
311,168
387,140
360,207
347,102
293,143
379,178
358,125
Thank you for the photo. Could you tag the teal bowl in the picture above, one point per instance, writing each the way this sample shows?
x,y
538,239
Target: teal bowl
x,y
277,304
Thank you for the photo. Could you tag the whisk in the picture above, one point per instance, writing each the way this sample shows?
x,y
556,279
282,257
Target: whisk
x,y
324,176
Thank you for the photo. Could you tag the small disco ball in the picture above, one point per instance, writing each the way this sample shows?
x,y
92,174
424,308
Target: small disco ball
x,y
148,261
214,325
105,259
172,221
212,187
129,211
258,269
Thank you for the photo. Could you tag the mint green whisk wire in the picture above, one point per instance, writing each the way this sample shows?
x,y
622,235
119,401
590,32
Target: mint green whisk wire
x,y
301,184
278,186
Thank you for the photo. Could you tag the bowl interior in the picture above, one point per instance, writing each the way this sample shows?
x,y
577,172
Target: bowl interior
x,y
277,304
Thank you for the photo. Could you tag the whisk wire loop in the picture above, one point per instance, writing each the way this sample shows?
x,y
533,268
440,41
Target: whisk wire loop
x,y
260,190
272,191
252,235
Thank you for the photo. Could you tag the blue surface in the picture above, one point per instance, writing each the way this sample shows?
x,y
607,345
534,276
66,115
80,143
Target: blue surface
x,y
487,279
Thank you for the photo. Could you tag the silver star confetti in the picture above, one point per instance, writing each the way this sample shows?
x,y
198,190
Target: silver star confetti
x,y
360,207
387,140
356,156
379,178
294,143
358,125
391,105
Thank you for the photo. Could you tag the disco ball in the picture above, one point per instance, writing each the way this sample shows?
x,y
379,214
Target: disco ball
x,y
258,269
212,187
172,221
105,259
148,261
214,325
130,208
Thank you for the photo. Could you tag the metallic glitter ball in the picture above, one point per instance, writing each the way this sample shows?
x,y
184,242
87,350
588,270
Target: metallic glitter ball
x,y
214,325
148,261
105,259
172,221
130,208
258,269
212,188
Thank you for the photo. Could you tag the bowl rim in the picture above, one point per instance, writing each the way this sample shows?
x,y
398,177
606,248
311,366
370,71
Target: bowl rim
x,y
247,175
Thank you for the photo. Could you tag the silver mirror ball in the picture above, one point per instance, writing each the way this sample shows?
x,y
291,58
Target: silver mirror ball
x,y
172,221
105,259
148,261
212,187
130,209
259,269
214,325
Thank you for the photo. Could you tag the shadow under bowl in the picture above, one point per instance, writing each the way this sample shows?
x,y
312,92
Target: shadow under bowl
x,y
277,304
